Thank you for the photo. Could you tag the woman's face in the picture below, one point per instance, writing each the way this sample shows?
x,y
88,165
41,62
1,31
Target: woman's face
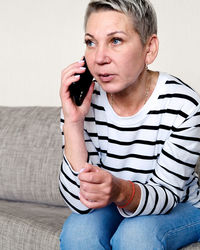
x,y
114,52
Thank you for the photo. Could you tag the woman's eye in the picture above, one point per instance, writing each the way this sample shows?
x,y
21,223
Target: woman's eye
x,y
89,43
116,41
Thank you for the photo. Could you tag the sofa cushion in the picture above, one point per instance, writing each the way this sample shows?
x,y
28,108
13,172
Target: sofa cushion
x,y
30,154
30,226
194,246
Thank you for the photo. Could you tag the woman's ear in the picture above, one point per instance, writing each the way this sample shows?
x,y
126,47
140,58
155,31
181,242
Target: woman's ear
x,y
152,47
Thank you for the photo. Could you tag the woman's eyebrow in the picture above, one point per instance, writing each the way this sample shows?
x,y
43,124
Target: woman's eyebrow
x,y
88,34
116,32
109,34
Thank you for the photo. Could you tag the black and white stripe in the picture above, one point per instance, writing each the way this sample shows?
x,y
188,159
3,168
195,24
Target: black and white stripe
x,y
158,148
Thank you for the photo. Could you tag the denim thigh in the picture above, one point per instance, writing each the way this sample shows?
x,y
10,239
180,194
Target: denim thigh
x,y
179,228
91,231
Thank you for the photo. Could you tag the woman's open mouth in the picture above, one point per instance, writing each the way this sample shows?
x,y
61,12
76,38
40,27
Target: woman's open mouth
x,y
106,77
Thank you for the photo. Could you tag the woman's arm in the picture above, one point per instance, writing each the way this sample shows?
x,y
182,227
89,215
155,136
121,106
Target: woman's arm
x,y
74,148
73,117
173,180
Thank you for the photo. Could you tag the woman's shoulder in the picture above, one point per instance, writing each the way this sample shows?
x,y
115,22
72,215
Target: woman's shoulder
x,y
174,88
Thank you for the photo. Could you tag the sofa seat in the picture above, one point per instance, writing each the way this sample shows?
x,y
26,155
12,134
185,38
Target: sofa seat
x,y
195,246
30,226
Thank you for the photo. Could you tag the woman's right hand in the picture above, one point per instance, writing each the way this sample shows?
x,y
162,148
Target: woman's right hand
x,y
73,113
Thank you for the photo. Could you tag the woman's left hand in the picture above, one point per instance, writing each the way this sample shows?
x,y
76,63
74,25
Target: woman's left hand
x,y
98,188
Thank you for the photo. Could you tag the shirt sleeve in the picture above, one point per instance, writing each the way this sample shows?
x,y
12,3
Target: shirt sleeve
x,y
69,184
174,179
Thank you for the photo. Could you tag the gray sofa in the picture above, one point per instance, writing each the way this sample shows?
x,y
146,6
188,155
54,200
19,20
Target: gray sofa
x,y
32,210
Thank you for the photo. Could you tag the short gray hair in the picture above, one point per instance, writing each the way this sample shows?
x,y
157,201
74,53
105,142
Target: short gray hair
x,y
141,11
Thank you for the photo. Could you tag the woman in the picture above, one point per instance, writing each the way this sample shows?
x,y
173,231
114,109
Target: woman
x,y
131,148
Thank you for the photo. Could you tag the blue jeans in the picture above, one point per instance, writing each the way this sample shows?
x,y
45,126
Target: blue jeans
x,y
105,228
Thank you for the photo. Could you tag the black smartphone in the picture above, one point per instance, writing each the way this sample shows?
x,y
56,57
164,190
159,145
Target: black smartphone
x,y
78,90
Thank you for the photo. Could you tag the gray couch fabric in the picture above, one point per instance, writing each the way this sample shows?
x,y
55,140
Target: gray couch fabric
x,y
32,211
29,226
30,153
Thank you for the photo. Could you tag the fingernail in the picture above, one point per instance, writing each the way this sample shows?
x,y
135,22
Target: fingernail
x,y
81,170
77,76
82,67
81,61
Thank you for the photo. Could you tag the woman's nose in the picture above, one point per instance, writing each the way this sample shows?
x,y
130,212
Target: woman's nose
x,y
102,55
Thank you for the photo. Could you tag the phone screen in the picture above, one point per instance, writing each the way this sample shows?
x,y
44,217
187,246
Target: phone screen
x,y
78,90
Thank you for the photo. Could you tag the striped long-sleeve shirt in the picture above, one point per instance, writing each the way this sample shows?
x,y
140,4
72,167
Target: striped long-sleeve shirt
x,y
157,148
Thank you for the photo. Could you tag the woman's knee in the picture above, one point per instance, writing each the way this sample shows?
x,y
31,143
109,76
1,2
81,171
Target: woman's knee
x,y
70,231
90,231
137,234
80,233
